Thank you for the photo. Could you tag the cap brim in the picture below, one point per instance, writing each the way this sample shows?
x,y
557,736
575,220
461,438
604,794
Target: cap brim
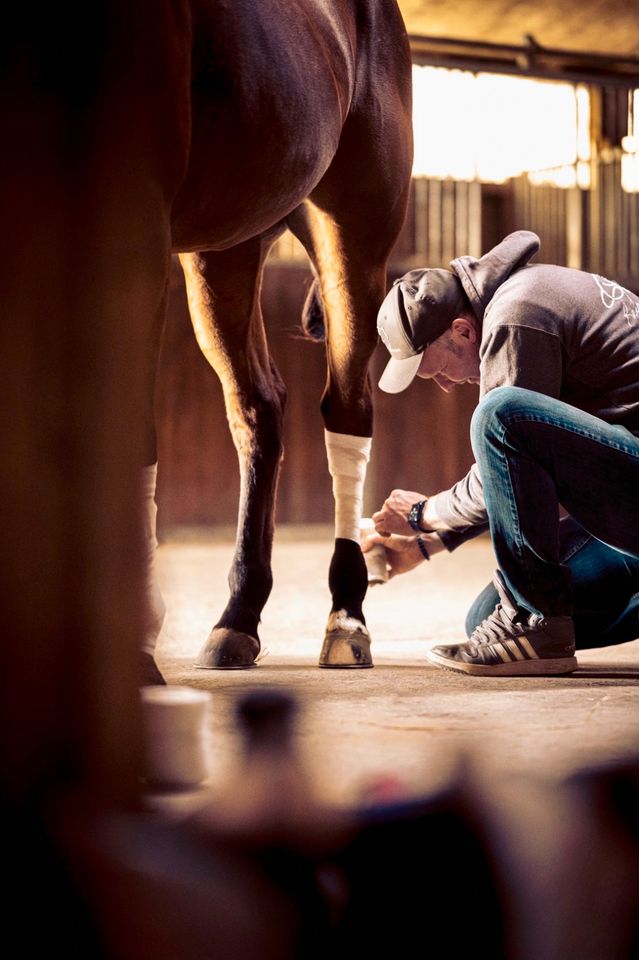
x,y
399,374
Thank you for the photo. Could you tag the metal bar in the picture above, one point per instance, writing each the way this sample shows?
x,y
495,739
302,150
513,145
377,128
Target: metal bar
x,y
461,219
474,220
420,195
448,221
435,221
530,60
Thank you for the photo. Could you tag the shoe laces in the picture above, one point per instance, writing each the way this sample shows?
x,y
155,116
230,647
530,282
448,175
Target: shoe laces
x,y
497,626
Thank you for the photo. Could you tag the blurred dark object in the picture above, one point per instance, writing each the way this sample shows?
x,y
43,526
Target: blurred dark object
x,y
602,866
268,798
162,890
386,880
150,675
422,883
268,814
45,911
266,719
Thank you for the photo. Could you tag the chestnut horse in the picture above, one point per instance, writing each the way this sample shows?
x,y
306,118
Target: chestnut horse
x,y
299,117
205,128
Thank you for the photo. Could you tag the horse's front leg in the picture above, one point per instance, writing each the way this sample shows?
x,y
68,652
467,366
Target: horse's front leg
x,y
348,228
351,287
350,304
347,641
223,298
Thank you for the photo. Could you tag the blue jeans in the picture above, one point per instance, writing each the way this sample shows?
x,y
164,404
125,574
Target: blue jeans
x,y
605,585
533,453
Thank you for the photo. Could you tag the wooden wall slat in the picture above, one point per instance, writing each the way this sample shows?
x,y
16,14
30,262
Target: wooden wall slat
x,y
595,229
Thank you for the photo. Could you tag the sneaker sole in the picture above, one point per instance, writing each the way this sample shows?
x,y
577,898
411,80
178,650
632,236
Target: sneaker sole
x,y
518,668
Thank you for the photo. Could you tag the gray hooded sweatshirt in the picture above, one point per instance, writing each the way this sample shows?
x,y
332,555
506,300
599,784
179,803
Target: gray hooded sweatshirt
x,y
561,332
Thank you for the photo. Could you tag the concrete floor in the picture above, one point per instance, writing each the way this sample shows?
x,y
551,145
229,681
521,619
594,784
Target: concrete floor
x,y
403,718
566,862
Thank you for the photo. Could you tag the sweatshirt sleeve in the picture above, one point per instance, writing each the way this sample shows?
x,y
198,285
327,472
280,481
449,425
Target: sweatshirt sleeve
x,y
462,509
512,355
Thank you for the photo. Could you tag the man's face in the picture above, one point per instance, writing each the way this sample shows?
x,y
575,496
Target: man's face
x,y
453,358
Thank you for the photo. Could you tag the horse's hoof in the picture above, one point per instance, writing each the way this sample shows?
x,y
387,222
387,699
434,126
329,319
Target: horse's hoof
x,y
228,649
151,676
347,643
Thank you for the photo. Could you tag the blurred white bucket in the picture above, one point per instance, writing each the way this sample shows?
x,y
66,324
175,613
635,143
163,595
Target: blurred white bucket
x,y
176,735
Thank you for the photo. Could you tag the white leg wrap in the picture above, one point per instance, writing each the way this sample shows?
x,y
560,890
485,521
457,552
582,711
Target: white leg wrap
x,y
155,609
347,460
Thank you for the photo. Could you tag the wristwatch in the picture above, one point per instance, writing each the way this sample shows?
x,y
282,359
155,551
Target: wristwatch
x,y
415,516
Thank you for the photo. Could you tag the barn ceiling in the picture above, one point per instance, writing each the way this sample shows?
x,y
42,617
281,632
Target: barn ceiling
x,y
589,26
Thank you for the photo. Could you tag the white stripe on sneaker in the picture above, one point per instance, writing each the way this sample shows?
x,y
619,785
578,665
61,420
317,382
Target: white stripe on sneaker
x,y
497,648
528,647
514,649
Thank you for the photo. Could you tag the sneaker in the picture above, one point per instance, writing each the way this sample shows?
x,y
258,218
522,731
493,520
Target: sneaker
x,y
510,643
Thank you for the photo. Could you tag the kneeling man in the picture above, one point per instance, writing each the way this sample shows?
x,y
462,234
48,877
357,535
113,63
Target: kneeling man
x,y
555,352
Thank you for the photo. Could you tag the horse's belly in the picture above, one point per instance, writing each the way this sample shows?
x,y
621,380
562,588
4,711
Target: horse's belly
x,y
270,92
224,202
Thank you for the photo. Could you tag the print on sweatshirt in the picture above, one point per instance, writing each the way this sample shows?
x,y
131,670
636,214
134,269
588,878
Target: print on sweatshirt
x,y
612,292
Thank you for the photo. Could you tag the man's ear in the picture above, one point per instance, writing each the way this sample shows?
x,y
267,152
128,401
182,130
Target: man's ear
x,y
463,329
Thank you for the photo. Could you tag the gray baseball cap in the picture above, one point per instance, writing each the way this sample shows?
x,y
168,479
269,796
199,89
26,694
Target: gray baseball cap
x,y
419,307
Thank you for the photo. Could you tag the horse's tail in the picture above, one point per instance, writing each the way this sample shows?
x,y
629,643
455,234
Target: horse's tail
x,y
313,314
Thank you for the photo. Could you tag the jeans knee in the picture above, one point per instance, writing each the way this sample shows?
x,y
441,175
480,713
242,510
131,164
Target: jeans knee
x,y
493,410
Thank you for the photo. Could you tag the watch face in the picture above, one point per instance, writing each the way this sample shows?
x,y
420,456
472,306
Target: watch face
x,y
415,515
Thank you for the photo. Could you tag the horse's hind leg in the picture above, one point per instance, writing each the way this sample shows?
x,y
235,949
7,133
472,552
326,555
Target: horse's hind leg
x,y
223,293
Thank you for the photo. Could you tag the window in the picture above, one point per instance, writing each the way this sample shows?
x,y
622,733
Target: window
x,y
490,127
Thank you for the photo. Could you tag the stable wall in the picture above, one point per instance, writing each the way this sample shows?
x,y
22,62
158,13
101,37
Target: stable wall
x,y
421,437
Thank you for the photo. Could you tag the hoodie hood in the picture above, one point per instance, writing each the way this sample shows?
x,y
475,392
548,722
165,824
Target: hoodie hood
x,y
481,277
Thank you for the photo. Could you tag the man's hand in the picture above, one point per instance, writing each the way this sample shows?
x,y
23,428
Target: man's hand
x,y
402,553
392,517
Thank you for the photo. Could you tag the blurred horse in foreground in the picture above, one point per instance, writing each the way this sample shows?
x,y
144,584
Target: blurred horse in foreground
x,y
131,130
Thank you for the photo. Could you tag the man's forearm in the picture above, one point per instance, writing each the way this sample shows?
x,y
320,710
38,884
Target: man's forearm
x,y
459,508
453,514
450,538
